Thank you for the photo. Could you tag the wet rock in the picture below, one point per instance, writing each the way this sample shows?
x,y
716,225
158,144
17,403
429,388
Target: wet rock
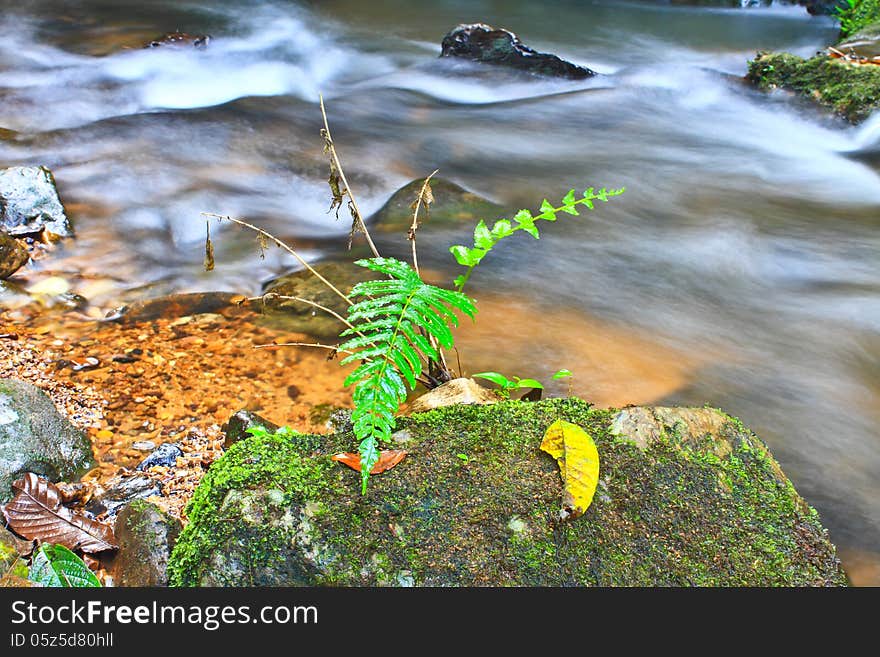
x,y
864,43
180,40
457,391
146,536
165,455
701,502
175,305
35,437
452,204
13,256
303,318
238,424
121,492
483,43
29,203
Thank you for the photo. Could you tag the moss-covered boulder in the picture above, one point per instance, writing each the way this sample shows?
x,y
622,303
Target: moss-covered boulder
x,y
35,437
851,90
848,83
686,497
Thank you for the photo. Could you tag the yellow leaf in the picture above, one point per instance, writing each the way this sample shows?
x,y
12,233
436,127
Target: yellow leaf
x,y
578,459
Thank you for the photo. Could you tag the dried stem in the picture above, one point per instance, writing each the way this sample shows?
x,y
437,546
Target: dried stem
x,y
317,345
411,236
284,246
358,217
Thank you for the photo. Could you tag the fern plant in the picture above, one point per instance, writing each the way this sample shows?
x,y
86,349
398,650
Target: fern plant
x,y
485,239
391,328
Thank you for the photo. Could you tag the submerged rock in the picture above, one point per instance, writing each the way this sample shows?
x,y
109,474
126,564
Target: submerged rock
x,y
303,318
180,40
35,437
864,43
238,424
452,204
13,256
175,305
686,497
483,43
146,535
29,203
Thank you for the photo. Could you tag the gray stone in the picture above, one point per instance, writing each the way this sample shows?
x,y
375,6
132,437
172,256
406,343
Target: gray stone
x,y
146,537
29,203
238,424
35,437
457,391
483,43
165,455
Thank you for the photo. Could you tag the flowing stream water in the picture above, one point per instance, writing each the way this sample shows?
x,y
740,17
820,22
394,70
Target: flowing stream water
x,y
739,270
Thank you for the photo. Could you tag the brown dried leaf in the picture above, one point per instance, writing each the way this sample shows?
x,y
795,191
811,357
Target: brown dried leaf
x,y
388,458
209,249
36,513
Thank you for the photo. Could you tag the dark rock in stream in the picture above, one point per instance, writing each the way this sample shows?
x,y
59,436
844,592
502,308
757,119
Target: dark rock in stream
x,y
180,40
35,437
121,492
236,428
452,204
146,536
165,455
13,256
175,305
483,43
29,203
686,497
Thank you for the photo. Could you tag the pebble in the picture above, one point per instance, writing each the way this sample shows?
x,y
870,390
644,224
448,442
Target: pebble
x,y
166,455
144,445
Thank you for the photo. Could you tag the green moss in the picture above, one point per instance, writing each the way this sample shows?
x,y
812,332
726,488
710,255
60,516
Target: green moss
x,y
860,15
680,512
850,90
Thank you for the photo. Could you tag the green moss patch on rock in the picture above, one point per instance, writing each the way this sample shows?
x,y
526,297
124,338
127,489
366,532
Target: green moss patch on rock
x,y
686,497
853,91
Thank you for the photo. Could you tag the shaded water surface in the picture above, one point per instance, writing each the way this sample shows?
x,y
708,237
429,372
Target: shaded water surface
x,y
739,270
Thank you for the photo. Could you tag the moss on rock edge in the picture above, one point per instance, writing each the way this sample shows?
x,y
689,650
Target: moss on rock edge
x,y
688,506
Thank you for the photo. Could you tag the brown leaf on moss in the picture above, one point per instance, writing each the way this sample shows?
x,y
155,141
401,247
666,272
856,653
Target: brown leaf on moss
x,y
388,458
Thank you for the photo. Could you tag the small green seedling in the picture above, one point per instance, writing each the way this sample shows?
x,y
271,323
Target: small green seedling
x,y
464,457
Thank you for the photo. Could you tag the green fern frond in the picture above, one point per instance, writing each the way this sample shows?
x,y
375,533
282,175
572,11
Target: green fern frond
x,y
392,327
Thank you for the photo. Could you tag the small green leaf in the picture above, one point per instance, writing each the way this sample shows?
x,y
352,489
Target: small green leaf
x,y
459,281
570,209
55,565
532,230
495,377
464,457
569,198
529,383
561,374
503,228
461,253
547,206
482,236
